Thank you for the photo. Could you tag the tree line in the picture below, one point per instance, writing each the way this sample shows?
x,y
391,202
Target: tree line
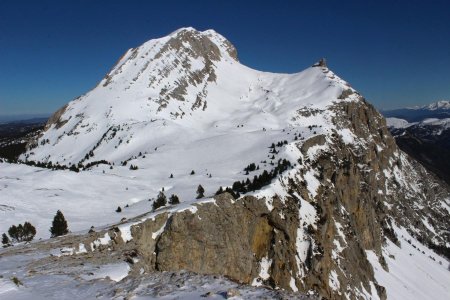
x,y
26,232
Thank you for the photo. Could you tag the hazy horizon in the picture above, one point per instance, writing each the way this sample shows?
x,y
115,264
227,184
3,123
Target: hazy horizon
x,y
395,54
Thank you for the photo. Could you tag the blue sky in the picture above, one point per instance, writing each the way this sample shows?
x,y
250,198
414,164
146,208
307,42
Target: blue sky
x,y
396,53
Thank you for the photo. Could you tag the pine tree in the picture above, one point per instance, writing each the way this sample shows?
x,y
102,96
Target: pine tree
x,y
5,240
171,176
192,172
59,225
161,200
200,192
13,233
29,231
173,200
19,235
219,191
118,210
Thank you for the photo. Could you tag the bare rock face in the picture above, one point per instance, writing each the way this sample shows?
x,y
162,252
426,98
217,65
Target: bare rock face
x,y
229,237
55,119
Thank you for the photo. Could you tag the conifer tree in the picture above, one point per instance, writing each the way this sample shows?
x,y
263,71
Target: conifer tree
x,y
219,191
5,239
29,231
59,225
173,200
13,233
161,200
200,192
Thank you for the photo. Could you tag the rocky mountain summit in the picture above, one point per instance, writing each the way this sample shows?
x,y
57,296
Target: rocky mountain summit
x,y
313,195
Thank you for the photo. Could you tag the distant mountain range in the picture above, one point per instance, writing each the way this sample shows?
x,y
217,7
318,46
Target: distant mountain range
x,y
437,110
24,118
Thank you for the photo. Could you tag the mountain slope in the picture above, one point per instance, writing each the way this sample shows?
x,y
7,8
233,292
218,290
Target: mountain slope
x,y
329,200
180,87
427,138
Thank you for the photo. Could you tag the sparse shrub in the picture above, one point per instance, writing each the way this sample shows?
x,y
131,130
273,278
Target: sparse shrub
x,y
16,281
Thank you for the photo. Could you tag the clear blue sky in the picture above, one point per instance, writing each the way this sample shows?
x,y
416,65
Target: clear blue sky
x,y
396,53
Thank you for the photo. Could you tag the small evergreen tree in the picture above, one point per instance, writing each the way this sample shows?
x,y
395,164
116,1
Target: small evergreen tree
x,y
161,200
13,233
200,192
118,210
173,200
192,172
59,225
219,191
29,231
171,176
5,240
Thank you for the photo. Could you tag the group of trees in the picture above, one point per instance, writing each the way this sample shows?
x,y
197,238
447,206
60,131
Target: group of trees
x,y
242,187
161,200
95,163
26,232
57,166
250,168
20,233
133,167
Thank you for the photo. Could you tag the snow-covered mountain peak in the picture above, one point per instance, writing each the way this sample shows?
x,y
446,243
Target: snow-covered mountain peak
x,y
442,104
189,81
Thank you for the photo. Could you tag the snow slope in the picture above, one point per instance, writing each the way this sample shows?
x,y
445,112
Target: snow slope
x,y
397,123
413,270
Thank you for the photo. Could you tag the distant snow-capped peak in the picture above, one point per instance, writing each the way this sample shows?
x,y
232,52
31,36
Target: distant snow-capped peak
x,y
442,104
